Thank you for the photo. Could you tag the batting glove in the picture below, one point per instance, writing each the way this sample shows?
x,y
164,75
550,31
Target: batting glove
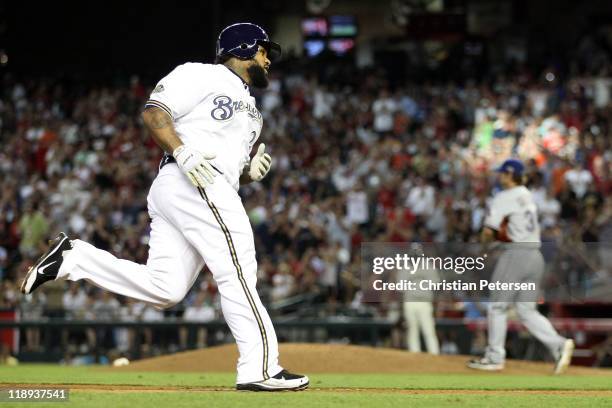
x,y
260,164
195,165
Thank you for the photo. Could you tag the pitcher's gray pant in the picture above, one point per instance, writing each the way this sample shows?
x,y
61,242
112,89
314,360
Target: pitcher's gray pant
x,y
519,265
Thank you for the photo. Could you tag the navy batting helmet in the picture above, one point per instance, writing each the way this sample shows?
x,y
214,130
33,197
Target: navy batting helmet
x,y
241,40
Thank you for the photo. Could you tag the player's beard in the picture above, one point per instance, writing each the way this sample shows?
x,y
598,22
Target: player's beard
x,y
259,78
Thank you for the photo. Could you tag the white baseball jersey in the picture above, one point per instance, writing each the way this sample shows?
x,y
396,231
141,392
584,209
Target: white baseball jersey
x,y
516,207
213,111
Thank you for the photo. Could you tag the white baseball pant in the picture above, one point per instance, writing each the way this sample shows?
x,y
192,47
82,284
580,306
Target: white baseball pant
x,y
191,227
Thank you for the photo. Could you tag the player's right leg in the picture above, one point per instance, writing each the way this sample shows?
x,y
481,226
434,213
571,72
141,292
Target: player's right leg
x,y
170,271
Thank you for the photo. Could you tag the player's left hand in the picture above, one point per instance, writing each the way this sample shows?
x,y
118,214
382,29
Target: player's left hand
x,y
260,164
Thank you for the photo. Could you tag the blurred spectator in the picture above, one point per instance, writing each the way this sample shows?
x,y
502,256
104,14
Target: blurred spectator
x,y
149,314
283,282
201,310
31,308
384,109
357,211
421,198
130,311
105,308
549,209
75,301
579,179
33,228
9,298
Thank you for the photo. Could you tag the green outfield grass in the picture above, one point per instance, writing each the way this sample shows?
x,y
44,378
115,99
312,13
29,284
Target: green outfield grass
x,y
328,390
316,399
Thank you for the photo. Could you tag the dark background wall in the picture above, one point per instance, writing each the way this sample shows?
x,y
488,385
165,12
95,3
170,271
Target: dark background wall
x,y
87,38
102,41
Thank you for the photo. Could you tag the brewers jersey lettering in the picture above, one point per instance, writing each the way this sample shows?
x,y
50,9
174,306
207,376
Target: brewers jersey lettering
x,y
212,111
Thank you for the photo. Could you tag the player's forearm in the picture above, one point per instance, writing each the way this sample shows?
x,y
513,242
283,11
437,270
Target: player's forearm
x,y
161,128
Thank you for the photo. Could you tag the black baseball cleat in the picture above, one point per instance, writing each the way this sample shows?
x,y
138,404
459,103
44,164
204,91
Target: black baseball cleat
x,y
47,266
283,381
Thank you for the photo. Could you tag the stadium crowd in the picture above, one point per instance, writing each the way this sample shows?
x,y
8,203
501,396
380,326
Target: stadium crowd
x,y
352,163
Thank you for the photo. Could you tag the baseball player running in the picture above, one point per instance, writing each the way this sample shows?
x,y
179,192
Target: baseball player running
x,y
205,120
514,207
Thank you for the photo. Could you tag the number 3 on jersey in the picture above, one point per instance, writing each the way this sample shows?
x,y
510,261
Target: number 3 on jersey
x,y
531,220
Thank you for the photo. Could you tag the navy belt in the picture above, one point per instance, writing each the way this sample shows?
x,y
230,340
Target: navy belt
x,y
167,159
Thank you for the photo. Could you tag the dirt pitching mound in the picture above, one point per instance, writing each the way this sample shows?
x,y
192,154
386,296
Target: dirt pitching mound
x,y
337,358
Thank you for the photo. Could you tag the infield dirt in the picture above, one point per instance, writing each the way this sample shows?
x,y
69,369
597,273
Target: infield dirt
x,y
337,358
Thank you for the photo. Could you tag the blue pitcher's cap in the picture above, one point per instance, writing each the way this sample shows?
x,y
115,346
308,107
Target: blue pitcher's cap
x,y
513,166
